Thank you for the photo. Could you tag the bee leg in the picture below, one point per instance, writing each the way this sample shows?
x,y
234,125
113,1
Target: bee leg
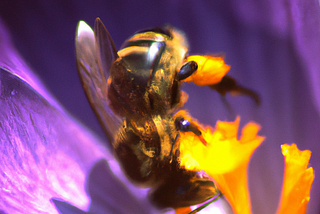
x,y
184,125
172,147
230,85
213,199
229,108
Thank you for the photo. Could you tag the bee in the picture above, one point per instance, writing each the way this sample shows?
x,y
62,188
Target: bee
x,y
135,93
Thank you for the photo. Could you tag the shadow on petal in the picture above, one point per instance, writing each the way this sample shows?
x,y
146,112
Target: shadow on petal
x,y
107,193
110,195
66,208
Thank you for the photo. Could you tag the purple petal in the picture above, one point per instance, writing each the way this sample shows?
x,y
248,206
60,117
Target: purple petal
x,y
11,60
44,154
272,46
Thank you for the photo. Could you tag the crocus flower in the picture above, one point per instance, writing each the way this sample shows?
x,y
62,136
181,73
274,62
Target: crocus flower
x,y
272,46
226,159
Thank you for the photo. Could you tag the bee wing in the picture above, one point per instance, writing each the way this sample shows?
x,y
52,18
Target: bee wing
x,y
95,53
106,50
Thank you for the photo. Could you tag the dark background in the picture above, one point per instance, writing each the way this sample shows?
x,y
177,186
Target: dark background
x,y
270,45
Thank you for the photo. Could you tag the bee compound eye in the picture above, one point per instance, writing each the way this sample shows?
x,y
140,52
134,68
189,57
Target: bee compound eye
x,y
184,125
187,126
187,70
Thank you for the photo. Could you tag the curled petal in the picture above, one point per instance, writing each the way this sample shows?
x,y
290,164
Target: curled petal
x,y
225,159
11,60
43,152
297,181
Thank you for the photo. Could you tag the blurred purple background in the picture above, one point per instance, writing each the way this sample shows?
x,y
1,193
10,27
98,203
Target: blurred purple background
x,y
272,46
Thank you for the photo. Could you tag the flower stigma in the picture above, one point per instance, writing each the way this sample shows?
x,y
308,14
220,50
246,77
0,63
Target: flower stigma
x,y
297,180
225,159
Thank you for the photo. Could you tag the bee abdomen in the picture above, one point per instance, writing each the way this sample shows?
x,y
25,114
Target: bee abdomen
x,y
138,164
183,189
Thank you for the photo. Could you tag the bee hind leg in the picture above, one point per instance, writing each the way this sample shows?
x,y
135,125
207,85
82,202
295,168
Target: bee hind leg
x,y
210,201
230,85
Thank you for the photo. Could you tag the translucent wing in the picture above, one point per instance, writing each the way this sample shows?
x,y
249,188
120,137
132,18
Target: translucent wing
x,y
95,53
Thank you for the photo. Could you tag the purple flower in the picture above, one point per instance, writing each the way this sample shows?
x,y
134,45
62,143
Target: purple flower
x,y
272,46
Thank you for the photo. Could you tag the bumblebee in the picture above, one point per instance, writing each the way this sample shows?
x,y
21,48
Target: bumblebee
x,y
135,93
